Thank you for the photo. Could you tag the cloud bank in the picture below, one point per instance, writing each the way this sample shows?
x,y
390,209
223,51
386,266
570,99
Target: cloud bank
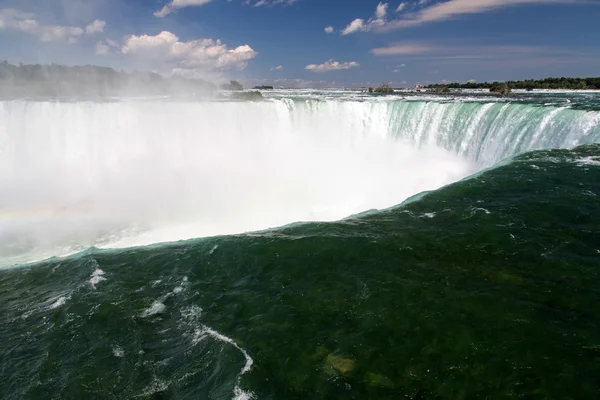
x,y
175,5
269,3
95,27
455,8
419,13
402,49
18,21
331,66
207,54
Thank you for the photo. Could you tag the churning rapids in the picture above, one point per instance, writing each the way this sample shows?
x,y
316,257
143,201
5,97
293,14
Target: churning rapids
x,y
132,173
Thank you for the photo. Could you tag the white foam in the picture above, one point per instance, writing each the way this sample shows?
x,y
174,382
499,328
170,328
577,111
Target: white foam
x,y
192,313
118,352
586,161
223,338
156,386
202,332
156,308
239,394
97,277
59,303
182,287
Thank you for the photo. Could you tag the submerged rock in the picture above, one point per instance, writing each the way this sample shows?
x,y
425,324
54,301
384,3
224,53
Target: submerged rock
x,y
340,364
319,354
373,379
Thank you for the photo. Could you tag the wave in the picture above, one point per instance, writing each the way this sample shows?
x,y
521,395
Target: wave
x,y
133,173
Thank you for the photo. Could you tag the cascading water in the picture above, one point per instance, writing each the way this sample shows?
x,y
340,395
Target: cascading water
x,y
486,133
131,173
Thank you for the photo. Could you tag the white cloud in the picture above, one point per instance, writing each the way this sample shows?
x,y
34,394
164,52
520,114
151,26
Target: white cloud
x,y
76,12
112,43
8,15
106,47
466,52
18,21
377,20
398,68
381,10
331,66
69,34
355,26
204,53
95,27
177,4
448,9
270,3
453,8
329,29
466,57
402,49
277,68
102,49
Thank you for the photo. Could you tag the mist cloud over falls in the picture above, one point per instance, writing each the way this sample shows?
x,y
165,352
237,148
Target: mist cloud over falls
x,y
134,173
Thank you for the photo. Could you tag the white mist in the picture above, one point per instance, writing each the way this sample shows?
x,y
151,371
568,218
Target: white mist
x,y
121,174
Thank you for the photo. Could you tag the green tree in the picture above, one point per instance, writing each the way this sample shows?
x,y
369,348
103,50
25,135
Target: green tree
x,y
384,88
500,88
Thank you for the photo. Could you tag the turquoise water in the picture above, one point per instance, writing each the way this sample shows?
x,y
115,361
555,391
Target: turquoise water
x,y
483,288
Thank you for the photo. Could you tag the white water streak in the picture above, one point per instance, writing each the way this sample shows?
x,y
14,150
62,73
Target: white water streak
x,y
192,317
97,277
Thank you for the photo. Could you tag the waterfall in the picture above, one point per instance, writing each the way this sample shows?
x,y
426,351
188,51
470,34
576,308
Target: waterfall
x,y
76,174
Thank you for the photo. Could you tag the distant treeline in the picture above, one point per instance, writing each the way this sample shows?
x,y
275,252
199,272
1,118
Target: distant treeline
x,y
549,83
91,81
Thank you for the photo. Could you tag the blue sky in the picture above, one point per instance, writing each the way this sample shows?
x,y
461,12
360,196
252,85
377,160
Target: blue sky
x,y
303,43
